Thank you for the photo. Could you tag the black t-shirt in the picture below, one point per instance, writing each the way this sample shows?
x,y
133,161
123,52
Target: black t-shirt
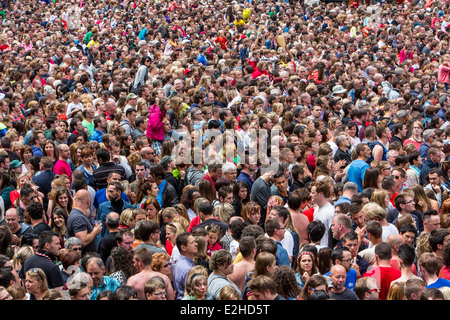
x,y
51,270
107,243
342,155
347,294
40,227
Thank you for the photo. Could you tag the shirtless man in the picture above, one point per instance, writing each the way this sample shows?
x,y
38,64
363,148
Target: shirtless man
x,y
299,220
143,261
247,247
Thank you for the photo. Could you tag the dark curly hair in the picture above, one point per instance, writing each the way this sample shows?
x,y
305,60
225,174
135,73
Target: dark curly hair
x,y
287,285
123,261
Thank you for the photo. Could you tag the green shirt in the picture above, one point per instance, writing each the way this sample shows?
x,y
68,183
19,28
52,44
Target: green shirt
x,y
89,126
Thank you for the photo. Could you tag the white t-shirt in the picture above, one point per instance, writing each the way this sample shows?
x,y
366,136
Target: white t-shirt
x,y
326,215
387,231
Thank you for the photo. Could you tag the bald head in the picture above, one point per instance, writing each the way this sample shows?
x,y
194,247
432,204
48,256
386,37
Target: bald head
x,y
395,241
12,212
113,220
82,195
337,269
82,200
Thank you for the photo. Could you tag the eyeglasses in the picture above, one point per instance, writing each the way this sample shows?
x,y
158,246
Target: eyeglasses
x,y
347,260
410,201
396,177
159,294
78,249
167,265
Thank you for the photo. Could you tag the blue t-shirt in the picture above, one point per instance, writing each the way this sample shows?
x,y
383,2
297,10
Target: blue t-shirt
x,y
439,284
350,282
356,172
282,258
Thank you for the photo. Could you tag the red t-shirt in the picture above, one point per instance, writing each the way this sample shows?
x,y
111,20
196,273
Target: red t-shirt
x,y
444,273
384,277
215,247
194,222
309,213
169,247
207,177
393,198
222,41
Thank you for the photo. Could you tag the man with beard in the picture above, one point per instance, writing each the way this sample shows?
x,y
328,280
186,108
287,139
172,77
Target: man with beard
x,y
115,203
46,258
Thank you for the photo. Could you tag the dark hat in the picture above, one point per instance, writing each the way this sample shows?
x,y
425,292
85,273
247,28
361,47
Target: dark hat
x,y
15,164
165,161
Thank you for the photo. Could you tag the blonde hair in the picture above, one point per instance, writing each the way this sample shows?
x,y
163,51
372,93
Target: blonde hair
x,y
224,211
378,196
182,221
176,227
54,294
229,293
422,244
373,211
127,217
446,292
17,292
196,269
39,274
396,291
22,255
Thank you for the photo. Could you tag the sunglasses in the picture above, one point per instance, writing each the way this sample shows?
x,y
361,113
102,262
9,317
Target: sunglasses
x,y
372,290
37,271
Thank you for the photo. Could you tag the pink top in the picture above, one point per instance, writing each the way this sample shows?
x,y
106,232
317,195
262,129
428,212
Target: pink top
x,y
415,143
402,56
444,73
63,167
155,127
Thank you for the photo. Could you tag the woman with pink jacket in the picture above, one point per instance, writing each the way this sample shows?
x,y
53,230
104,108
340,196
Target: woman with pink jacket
x,y
444,71
155,126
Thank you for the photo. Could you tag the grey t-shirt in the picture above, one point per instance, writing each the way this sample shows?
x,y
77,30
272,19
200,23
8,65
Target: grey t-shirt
x,y
78,222
347,294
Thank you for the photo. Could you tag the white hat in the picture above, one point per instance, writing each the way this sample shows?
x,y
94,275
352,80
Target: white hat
x,y
74,49
338,89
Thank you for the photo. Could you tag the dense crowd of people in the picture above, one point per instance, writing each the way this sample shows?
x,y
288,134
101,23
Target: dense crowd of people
x,y
224,150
